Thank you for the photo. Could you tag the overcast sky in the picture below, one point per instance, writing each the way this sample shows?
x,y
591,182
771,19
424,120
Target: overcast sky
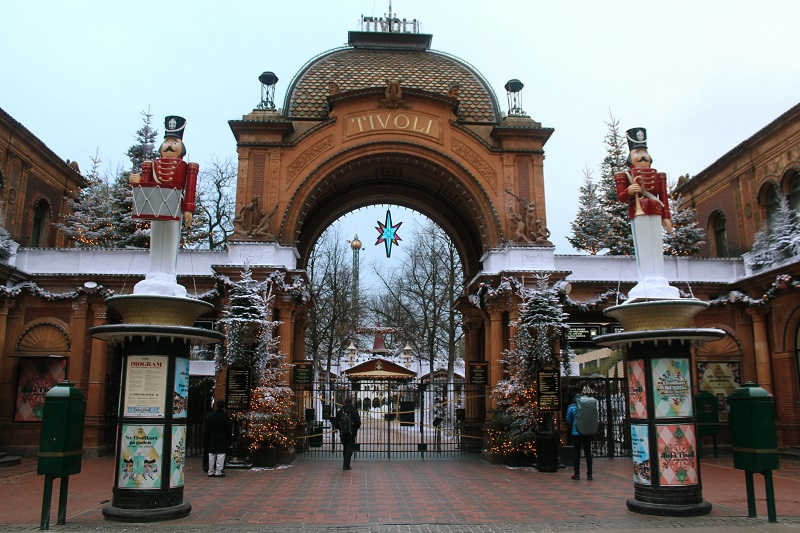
x,y
700,75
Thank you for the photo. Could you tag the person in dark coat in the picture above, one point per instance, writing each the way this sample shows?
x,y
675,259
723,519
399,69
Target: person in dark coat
x,y
347,437
219,435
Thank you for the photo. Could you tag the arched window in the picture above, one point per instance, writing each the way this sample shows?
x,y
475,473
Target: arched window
x,y
720,236
41,223
794,192
772,203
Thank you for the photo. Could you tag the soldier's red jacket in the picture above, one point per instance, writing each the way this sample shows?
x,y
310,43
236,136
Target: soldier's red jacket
x,y
655,202
174,173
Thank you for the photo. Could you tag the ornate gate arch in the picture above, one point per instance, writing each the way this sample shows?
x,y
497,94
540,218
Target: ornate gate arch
x,y
387,120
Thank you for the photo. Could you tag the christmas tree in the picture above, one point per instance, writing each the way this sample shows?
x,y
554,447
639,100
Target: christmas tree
x,y
777,242
251,342
618,238
6,245
90,219
590,227
243,316
686,236
541,333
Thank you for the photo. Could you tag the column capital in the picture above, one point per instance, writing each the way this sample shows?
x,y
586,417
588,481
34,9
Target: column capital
x,y
80,307
100,312
758,313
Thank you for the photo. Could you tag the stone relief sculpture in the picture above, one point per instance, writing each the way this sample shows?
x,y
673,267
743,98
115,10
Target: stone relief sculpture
x,y
251,222
527,228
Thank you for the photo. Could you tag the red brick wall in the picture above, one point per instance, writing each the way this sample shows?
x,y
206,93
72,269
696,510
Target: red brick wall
x,y
724,201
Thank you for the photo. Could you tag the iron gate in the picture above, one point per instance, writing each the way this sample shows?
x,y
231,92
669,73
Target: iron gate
x,y
410,419
613,435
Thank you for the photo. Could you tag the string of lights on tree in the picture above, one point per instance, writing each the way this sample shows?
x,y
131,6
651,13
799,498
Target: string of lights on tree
x,y
251,341
540,343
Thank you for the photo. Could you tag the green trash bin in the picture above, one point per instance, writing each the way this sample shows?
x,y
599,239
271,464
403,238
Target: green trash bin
x,y
547,451
61,439
755,441
753,432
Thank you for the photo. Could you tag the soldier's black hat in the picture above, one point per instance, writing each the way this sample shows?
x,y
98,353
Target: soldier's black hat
x,y
637,138
173,126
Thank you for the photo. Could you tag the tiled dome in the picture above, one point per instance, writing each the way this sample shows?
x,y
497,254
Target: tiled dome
x,y
360,68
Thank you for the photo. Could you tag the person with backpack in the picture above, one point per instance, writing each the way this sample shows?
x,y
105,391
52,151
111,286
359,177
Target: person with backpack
x,y
347,421
582,418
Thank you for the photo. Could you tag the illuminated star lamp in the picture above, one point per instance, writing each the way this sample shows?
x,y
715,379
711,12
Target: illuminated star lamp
x,y
387,234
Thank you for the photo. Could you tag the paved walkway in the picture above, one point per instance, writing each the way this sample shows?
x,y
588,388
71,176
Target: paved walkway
x,y
404,495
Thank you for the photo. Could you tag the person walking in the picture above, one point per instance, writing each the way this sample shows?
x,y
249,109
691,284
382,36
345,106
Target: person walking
x,y
218,431
347,421
582,419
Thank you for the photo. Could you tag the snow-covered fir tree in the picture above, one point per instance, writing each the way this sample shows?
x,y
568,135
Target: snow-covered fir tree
x,y
542,328
778,241
686,236
590,227
541,333
89,220
251,342
126,230
6,245
145,147
242,317
618,238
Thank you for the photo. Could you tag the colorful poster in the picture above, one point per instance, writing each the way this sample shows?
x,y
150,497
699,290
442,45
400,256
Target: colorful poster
x,y
145,386
637,394
178,460
37,375
676,454
140,457
672,391
720,379
641,454
180,398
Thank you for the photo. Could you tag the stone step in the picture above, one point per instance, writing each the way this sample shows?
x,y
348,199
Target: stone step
x,y
791,454
9,460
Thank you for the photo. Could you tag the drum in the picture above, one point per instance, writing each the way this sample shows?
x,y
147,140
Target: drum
x,y
152,202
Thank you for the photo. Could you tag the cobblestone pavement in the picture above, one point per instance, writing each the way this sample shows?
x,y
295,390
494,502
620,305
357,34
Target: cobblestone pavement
x,y
404,496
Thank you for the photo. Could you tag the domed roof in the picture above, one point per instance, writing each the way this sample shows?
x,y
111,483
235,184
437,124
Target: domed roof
x,y
360,67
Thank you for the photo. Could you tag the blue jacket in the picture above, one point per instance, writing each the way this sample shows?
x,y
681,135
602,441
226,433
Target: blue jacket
x,y
571,410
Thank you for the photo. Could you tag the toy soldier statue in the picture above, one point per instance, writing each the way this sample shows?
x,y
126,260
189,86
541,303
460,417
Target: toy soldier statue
x,y
645,190
163,192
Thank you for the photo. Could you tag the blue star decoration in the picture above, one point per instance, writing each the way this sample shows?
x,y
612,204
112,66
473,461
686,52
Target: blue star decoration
x,y
387,234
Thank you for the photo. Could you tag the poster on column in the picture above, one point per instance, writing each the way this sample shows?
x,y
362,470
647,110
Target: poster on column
x,y
641,454
637,394
672,392
145,386
140,457
180,397
37,375
178,460
720,379
676,454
